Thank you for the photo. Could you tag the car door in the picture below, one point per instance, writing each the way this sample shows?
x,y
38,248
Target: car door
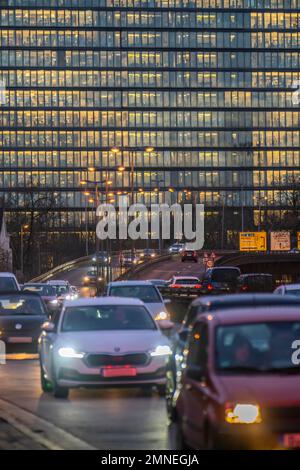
x,y
194,385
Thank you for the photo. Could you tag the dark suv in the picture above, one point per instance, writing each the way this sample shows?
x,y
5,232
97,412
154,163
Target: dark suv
x,y
220,280
255,283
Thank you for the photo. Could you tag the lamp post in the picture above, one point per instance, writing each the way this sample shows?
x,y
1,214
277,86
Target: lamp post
x,y
23,230
223,199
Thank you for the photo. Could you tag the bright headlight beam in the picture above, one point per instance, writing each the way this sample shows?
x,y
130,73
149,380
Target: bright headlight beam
x,y
161,351
70,353
162,316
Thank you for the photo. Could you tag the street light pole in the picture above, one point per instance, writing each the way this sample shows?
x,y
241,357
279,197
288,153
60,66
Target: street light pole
x,y
23,228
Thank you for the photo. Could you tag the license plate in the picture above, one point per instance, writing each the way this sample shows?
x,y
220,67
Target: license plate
x,y
119,372
291,441
19,340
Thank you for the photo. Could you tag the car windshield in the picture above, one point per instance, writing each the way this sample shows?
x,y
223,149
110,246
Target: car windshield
x,y
295,292
258,347
147,294
225,275
7,284
186,281
40,289
18,304
107,317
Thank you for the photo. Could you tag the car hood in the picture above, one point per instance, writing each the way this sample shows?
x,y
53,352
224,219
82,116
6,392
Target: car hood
x,y
267,389
112,341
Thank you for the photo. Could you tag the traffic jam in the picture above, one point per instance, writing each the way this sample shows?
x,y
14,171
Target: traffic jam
x,y
222,349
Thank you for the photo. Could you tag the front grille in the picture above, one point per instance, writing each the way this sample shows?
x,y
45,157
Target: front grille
x,y
70,374
134,359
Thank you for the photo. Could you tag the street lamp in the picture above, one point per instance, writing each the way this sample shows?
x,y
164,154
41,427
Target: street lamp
x,y
24,227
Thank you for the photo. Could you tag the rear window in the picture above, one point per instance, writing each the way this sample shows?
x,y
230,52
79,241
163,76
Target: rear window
x,y
187,281
147,294
225,275
42,289
8,284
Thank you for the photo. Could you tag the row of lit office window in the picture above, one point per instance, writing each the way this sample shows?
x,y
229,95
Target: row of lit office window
x,y
156,119
163,159
165,39
142,18
180,179
154,59
289,4
96,139
146,79
147,99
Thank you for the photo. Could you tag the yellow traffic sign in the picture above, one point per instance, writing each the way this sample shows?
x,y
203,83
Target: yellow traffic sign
x,y
253,241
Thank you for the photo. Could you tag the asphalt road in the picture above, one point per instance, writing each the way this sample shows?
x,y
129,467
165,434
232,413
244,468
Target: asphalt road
x,y
106,419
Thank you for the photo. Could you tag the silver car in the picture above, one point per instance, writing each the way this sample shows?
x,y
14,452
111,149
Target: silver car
x,y
145,291
102,341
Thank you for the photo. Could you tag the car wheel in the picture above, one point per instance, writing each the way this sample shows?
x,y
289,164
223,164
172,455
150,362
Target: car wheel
x,y
161,390
210,438
60,392
45,383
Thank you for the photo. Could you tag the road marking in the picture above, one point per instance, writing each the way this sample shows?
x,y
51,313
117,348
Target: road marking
x,y
47,434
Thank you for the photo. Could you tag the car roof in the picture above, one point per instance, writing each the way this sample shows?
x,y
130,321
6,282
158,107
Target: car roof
x,y
7,274
292,286
86,302
256,275
279,313
241,300
185,277
129,283
224,267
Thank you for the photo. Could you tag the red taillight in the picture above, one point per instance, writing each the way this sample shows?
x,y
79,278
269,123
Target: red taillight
x,y
175,286
244,288
209,287
198,286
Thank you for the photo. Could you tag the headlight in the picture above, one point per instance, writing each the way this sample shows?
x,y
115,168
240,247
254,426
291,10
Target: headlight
x,y
86,279
94,260
162,316
68,297
70,353
242,413
54,302
153,255
161,351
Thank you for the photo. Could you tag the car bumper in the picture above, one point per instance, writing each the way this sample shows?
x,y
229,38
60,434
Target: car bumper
x,y
73,373
255,437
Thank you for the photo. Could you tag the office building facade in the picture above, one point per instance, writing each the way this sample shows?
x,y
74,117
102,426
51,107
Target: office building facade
x,y
208,84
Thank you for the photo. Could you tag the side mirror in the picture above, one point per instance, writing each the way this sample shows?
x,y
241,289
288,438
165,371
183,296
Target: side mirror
x,y
48,327
165,324
195,373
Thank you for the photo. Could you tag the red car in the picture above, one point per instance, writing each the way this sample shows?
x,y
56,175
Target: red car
x,y
241,381
189,255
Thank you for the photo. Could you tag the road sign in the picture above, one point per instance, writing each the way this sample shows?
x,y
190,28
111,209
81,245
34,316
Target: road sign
x,y
280,241
253,241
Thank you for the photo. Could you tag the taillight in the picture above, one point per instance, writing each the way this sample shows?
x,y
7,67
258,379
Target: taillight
x,y
198,286
244,288
209,287
175,286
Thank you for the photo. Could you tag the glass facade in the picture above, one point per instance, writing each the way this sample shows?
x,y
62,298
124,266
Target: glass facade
x,y
207,83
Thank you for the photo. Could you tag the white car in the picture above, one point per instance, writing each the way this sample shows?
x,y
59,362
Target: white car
x,y
102,341
176,248
184,281
8,282
288,289
145,291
